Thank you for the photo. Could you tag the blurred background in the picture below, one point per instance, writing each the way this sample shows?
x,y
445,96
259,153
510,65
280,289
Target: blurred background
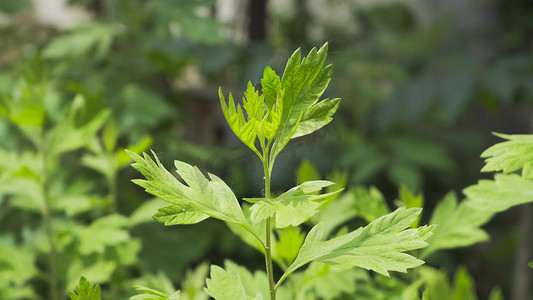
x,y
423,84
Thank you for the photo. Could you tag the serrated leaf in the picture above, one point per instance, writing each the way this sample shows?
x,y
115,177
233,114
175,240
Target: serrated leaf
x,y
317,116
293,207
180,214
235,119
289,241
253,283
67,136
379,246
270,86
224,285
86,291
369,203
211,197
514,154
502,193
457,225
304,83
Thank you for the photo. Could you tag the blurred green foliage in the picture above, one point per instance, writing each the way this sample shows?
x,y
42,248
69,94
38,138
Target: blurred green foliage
x,y
421,90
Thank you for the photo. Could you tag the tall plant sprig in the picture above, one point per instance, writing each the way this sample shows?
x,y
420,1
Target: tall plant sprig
x,y
288,107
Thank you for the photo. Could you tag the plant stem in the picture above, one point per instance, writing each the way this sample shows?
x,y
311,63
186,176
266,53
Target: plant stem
x,y
52,254
52,280
268,252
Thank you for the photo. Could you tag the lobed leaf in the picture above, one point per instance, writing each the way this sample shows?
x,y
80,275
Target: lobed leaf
x,y
181,214
224,285
514,154
210,197
458,225
505,191
86,291
379,246
303,83
293,207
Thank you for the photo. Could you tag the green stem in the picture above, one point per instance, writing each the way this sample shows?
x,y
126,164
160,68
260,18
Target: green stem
x,y
52,280
268,250
47,222
111,181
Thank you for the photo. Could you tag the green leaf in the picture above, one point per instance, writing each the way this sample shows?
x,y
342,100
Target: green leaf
x,y
253,283
149,293
110,135
86,291
496,294
500,194
289,241
307,172
317,116
369,203
91,38
103,232
514,154
438,287
293,207
211,197
123,159
67,136
458,225
379,246
270,85
225,285
303,83
410,199
336,212
243,130
181,214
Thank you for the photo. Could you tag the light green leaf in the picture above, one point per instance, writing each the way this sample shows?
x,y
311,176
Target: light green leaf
x,y
98,272
123,159
514,154
303,83
86,291
235,118
149,294
457,225
28,191
270,85
379,246
94,38
289,241
410,199
336,212
106,231
293,207
102,162
317,116
505,191
225,285
369,203
496,294
438,287
180,214
253,283
192,286
110,135
67,136
211,197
